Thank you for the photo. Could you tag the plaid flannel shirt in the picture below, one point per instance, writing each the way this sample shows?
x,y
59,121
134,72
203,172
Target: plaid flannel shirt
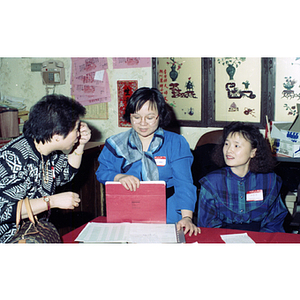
x,y
224,199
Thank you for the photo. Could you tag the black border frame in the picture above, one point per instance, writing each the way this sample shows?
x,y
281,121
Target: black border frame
x,y
268,77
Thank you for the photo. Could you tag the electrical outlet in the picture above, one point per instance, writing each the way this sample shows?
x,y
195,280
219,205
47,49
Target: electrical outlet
x,y
36,67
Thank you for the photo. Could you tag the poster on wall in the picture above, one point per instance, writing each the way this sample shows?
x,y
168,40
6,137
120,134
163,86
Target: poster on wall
x,y
287,94
179,80
89,80
238,89
97,111
125,89
91,88
90,85
131,62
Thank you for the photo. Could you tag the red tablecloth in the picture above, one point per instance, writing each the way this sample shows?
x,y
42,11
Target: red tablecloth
x,y
209,235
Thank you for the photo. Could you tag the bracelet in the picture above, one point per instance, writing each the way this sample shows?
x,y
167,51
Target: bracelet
x,y
78,153
187,217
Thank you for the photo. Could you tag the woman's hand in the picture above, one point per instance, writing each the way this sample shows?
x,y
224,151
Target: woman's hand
x,y
129,182
85,133
66,200
187,224
75,156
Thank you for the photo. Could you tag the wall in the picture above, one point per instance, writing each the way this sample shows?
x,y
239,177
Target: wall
x,y
17,80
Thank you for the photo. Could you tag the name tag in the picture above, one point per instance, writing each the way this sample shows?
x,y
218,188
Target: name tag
x,y
160,161
255,195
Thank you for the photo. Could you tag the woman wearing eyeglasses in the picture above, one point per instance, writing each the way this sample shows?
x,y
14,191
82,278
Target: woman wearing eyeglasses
x,y
147,152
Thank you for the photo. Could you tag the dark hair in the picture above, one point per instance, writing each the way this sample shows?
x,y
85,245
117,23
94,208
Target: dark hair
x,y
53,114
140,97
263,162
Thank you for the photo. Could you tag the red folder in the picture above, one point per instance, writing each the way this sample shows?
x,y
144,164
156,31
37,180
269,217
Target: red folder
x,y
145,205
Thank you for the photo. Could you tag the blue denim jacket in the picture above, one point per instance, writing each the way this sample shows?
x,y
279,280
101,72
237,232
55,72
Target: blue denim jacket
x,y
175,170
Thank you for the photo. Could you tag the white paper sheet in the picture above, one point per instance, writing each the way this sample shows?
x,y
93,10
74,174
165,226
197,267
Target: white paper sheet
x,y
127,233
236,238
99,75
152,233
103,232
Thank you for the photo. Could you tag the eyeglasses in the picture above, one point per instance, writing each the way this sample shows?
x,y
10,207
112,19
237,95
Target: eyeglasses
x,y
150,119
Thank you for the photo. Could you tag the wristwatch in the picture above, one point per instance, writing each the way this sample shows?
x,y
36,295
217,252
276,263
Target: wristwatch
x,y
47,200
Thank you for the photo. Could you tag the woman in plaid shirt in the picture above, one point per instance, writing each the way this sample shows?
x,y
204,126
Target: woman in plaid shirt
x,y
245,193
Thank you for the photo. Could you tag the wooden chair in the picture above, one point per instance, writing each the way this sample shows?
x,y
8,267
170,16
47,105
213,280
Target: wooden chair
x,y
211,137
203,163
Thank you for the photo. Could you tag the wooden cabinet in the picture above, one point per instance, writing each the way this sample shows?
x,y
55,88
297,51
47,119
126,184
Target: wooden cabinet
x,y
90,190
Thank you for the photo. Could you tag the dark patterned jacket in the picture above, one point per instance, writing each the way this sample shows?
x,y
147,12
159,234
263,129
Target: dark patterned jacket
x,y
21,176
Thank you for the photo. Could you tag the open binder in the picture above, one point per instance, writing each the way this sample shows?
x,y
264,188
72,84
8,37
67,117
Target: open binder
x,y
130,233
133,217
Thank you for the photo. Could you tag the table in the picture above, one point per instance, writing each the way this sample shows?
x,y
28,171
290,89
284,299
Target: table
x,y
209,235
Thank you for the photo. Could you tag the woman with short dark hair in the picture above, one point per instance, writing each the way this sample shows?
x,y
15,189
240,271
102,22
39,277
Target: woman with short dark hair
x,y
156,100
147,152
33,164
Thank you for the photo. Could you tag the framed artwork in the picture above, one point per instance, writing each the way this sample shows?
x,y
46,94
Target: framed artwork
x,y
179,79
230,89
243,90
287,92
237,89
